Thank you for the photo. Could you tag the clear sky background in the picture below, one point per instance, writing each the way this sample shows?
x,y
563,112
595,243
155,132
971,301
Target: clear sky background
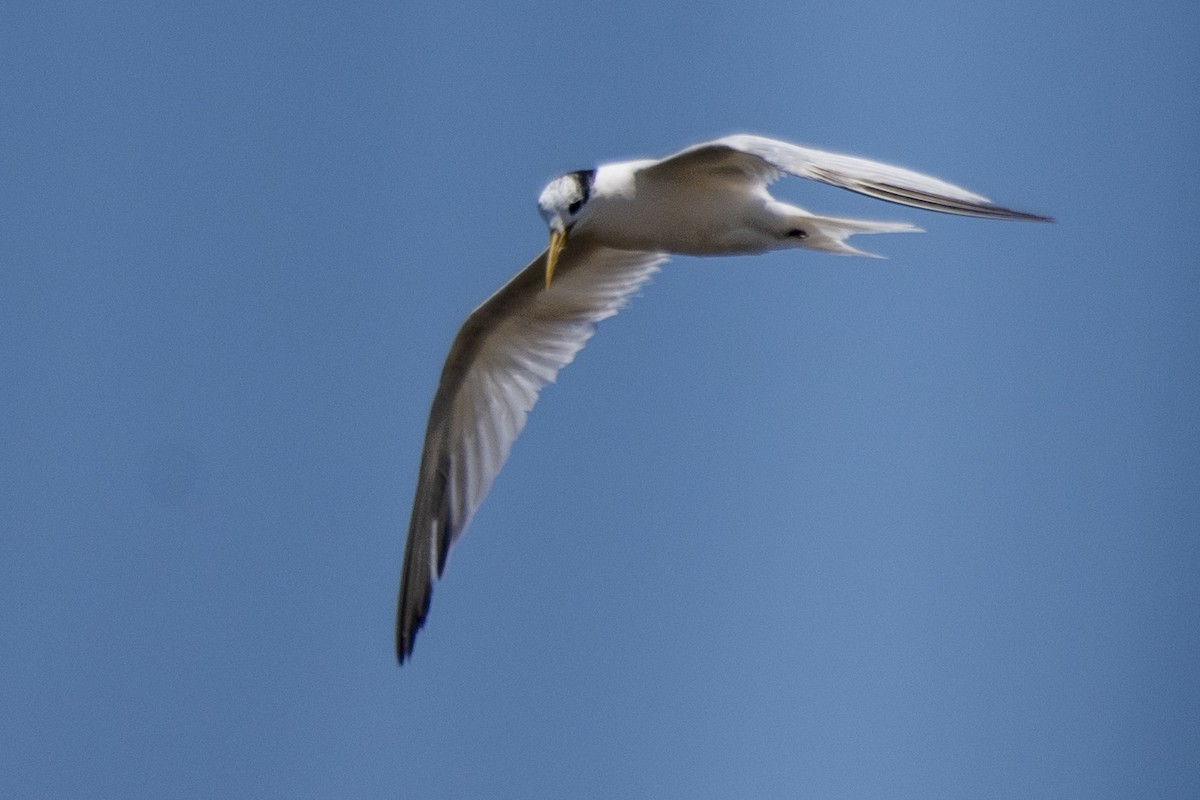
x,y
791,526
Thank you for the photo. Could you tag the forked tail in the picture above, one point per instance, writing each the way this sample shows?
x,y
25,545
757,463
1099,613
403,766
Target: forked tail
x,y
829,234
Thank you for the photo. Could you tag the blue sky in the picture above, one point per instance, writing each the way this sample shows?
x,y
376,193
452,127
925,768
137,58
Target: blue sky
x,y
791,526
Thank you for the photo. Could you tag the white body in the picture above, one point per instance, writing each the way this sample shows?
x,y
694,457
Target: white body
x,y
632,210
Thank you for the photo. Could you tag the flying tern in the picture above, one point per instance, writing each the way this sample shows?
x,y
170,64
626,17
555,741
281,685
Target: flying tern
x,y
610,229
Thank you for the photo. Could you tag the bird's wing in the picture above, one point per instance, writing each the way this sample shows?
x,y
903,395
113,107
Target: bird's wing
x,y
507,350
759,159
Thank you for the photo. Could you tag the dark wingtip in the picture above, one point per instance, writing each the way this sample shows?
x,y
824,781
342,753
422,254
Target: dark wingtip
x,y
408,622
403,649
1025,216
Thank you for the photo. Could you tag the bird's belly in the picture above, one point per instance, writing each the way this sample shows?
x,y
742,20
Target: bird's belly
x,y
690,228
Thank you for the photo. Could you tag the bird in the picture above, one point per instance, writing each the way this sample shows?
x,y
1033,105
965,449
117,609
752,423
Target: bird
x,y
611,228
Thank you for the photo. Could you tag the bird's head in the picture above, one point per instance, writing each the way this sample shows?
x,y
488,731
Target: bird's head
x,y
561,204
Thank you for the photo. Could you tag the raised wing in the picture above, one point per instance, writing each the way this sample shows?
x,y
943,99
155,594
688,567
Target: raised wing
x,y
507,350
758,158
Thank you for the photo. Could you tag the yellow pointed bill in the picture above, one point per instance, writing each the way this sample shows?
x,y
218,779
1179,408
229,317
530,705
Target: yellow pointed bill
x,y
557,240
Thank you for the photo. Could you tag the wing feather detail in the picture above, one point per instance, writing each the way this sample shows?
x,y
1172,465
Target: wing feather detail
x,y
508,349
757,158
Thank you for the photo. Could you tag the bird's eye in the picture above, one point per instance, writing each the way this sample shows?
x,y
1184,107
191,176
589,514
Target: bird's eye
x,y
574,207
